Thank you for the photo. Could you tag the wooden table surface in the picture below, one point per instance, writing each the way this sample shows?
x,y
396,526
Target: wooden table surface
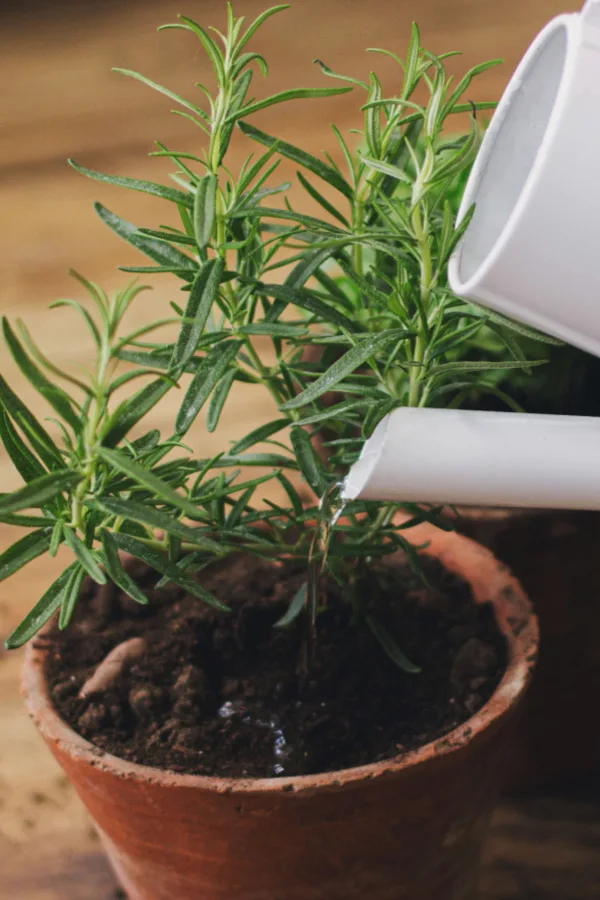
x,y
58,98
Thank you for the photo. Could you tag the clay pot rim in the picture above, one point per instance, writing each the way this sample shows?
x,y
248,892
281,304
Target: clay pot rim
x,y
490,581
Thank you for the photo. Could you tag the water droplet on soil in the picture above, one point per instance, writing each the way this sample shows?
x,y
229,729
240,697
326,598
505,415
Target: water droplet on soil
x,y
231,708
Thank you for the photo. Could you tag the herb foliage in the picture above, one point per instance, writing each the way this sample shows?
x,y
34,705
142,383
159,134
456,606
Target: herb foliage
x,y
364,282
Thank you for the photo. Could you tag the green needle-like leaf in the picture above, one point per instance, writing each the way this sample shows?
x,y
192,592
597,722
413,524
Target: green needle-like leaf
x,y
209,374
389,644
39,492
85,556
160,89
285,96
25,521
154,518
202,296
56,537
129,413
70,597
274,329
312,224
238,509
309,462
161,563
517,327
305,299
387,169
54,395
116,571
218,400
333,413
163,254
29,547
349,362
22,417
481,387
212,50
27,465
42,611
270,460
228,489
312,163
262,433
483,366
296,607
329,208
134,184
142,476
292,494
258,22
204,210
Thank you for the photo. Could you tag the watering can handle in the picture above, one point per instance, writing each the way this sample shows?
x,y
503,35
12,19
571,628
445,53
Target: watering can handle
x,y
591,12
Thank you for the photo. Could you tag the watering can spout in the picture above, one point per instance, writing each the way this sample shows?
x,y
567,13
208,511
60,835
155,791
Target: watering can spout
x,y
480,458
530,251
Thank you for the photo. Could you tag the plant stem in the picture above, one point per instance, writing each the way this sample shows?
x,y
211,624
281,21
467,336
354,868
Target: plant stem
x,y
357,226
90,431
419,223
361,198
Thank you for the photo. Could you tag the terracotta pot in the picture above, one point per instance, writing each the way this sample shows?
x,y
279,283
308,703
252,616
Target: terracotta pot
x,y
408,828
556,556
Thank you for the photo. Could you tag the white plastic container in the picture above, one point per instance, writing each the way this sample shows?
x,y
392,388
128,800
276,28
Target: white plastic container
x,y
480,458
532,250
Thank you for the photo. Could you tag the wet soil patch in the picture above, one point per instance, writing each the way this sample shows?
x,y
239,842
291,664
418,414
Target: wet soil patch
x,y
222,694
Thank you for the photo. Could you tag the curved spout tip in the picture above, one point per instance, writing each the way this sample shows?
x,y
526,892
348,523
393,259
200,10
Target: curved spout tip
x,y
359,475
479,458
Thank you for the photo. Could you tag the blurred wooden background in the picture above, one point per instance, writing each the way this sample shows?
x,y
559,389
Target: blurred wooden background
x,y
58,98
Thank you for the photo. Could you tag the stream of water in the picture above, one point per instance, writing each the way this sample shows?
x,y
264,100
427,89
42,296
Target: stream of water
x,y
331,507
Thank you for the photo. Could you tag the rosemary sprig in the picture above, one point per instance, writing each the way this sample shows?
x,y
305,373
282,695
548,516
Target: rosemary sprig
x,y
364,310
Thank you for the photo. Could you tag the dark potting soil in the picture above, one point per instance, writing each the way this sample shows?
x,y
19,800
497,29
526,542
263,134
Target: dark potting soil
x,y
221,694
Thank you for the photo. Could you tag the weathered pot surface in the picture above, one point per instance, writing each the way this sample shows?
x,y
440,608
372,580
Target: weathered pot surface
x,y
554,554
410,828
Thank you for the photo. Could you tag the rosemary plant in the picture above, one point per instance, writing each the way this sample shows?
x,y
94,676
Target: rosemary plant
x,y
365,283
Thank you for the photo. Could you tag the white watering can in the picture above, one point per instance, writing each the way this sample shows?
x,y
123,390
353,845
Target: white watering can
x,y
531,252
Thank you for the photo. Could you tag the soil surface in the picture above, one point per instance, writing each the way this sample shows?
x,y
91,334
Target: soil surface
x,y
221,694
